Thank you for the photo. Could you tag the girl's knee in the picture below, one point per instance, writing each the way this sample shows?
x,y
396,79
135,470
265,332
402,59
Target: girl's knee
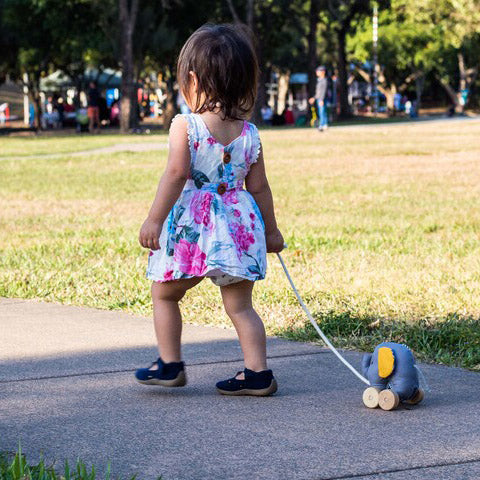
x,y
167,291
239,310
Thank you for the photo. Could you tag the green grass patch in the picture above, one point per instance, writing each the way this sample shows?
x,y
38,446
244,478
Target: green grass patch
x,y
14,466
453,340
375,232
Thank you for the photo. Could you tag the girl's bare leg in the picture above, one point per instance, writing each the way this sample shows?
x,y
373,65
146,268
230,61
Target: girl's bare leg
x,y
167,317
237,300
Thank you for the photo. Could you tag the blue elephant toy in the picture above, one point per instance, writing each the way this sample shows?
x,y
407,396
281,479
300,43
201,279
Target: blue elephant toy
x,y
393,377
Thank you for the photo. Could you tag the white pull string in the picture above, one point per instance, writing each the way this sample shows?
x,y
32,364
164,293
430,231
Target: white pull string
x,y
317,328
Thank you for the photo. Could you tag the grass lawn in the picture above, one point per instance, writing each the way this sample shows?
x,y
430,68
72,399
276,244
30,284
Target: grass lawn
x,y
37,146
382,223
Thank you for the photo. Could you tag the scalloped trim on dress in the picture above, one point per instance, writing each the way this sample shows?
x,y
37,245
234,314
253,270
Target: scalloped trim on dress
x,y
256,138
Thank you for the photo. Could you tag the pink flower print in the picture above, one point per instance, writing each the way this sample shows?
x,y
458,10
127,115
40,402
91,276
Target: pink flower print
x,y
252,226
211,141
230,197
247,159
252,216
190,259
242,238
200,207
236,213
196,145
150,254
168,275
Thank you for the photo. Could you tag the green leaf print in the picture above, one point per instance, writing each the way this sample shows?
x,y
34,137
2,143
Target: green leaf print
x,y
215,205
179,212
254,269
220,170
189,234
199,178
218,246
192,237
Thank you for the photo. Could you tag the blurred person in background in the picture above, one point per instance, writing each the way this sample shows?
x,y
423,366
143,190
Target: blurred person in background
x,y
93,109
320,98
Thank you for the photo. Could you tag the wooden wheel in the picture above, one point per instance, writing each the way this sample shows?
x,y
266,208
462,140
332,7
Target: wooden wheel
x,y
388,400
370,397
419,396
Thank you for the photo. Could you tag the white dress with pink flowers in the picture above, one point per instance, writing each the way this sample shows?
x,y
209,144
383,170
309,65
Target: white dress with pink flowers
x,y
215,228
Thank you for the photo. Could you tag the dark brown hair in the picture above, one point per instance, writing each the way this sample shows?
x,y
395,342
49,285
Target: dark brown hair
x,y
224,60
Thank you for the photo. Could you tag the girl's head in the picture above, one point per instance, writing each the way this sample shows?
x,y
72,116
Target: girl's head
x,y
217,70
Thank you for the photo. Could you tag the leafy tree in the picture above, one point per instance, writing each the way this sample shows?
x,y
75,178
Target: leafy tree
x,y
279,27
50,35
8,46
127,10
35,44
342,14
403,50
455,51
312,39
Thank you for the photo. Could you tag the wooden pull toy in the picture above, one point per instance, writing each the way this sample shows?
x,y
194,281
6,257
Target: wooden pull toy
x,y
393,377
390,372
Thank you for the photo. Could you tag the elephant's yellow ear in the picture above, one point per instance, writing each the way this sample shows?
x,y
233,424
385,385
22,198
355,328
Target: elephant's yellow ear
x,y
386,362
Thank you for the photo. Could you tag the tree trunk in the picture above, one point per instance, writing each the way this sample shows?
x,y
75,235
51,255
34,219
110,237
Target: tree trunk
x,y
462,83
450,91
34,95
390,95
261,99
312,46
283,80
250,22
128,14
261,95
345,110
38,111
419,83
170,110
134,108
467,79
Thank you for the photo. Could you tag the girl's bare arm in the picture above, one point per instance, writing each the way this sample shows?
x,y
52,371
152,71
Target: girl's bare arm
x,y
257,184
170,185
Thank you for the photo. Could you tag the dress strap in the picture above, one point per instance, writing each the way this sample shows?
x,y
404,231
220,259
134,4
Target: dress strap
x,y
192,133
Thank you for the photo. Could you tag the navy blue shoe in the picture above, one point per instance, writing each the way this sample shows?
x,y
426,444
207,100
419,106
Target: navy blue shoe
x,y
260,384
167,374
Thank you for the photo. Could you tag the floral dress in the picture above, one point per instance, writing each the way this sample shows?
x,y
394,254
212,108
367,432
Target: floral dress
x,y
215,227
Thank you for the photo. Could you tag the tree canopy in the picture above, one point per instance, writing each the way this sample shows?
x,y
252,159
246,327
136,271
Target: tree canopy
x,y
418,39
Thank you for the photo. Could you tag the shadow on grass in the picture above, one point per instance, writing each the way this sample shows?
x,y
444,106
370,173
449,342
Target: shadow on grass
x,y
454,340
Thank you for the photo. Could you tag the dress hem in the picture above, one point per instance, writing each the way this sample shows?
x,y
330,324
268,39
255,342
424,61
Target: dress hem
x,y
159,279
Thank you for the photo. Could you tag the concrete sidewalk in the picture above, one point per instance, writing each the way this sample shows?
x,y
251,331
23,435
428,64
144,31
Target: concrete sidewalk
x,y
67,389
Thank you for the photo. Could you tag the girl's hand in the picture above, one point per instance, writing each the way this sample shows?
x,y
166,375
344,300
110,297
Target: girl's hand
x,y
275,241
150,234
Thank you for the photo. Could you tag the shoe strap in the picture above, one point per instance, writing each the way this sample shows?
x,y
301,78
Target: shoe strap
x,y
157,362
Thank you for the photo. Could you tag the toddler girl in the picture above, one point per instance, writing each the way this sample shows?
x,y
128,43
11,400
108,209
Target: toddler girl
x,y
202,222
